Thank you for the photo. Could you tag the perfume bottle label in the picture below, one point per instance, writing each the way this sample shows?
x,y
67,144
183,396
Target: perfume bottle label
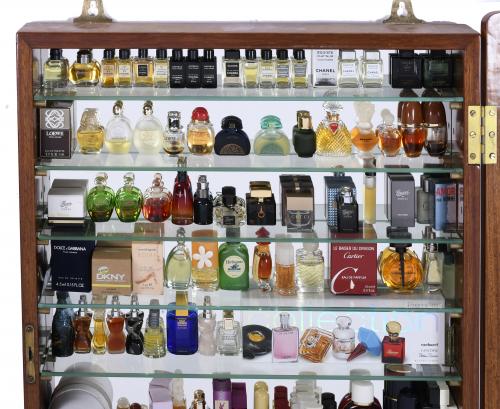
x,y
234,266
300,70
205,255
232,69
221,404
124,70
266,73
177,74
283,70
161,70
324,64
349,69
143,70
108,70
229,220
373,71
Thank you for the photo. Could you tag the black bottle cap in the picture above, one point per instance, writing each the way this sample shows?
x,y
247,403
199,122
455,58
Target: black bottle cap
x,y
208,54
407,53
109,53
143,52
232,122
161,53
407,399
251,54
193,54
229,195
232,54
177,54
56,53
266,54
124,53
438,53
282,54
328,400
370,174
84,56
299,54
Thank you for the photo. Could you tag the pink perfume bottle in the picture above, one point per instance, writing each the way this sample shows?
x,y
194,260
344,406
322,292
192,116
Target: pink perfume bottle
x,y
285,341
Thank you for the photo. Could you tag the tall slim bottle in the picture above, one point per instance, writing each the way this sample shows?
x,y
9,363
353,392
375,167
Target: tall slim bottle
x,y
206,328
63,333
83,336
134,319
182,203
100,337
154,336
370,198
116,321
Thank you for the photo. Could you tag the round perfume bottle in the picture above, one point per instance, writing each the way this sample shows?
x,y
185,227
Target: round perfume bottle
x,y
100,199
436,128
363,136
400,268
343,338
157,201
90,134
271,140
200,133
304,137
118,131
389,137
412,129
128,201
148,132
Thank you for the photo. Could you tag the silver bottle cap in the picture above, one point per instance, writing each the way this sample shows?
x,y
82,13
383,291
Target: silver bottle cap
x,y
118,107
208,314
174,120
347,194
202,187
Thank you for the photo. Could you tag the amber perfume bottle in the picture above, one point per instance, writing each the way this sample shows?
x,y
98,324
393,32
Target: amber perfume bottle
x,y
363,135
412,129
90,134
315,344
436,128
108,68
124,69
83,336
157,201
116,322
143,69
182,202
400,268
262,266
200,133
389,136
393,346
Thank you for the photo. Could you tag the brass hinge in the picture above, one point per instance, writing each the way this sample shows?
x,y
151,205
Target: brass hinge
x,y
29,354
482,135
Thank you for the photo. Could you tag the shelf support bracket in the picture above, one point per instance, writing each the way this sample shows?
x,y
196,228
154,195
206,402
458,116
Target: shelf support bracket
x,y
93,12
402,13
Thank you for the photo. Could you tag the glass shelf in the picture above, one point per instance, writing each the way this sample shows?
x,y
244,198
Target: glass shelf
x,y
451,163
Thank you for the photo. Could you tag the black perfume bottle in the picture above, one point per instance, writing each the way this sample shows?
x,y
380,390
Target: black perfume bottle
x,y
405,69
438,69
193,69
209,69
232,140
203,208
177,69
347,211
134,343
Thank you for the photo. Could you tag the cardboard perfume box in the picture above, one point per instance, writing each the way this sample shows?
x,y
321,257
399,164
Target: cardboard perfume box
x,y
55,138
297,202
400,199
66,201
324,68
112,271
333,186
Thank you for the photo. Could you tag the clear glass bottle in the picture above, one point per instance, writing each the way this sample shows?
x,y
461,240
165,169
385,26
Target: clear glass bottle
x,y
370,198
267,69
178,397
283,69
134,320
100,199
436,128
285,283
310,269
229,209
433,260
200,133
143,69
63,332
100,336
205,263
128,200
85,71
148,132
124,69
228,333
55,70
198,401
372,69
116,322
90,134
332,136
154,335
174,138
206,327
157,205
161,69
262,267
363,135
285,341
182,326
108,68
182,203
300,77
231,69
389,136
344,338
400,268
178,264
118,131
233,266
271,140
348,69
251,69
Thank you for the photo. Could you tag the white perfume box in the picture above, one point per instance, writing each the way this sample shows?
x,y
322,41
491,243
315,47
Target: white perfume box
x,y
66,201
324,67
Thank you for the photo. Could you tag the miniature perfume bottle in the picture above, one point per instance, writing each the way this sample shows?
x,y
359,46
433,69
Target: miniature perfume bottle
x,y
304,137
182,326
198,401
177,69
393,346
348,69
174,138
310,269
85,71
200,133
324,68
232,139
250,69
347,211
99,338
193,69
231,69
262,267
438,69
267,69
433,261
209,69
332,136
100,199
182,202
228,333
412,129
134,343
425,201
260,395
436,128
400,268
285,269
143,69
161,69
344,338
83,336
229,209
285,341
128,200
118,137
123,403
300,78
124,69
233,266
238,395
178,264
363,136
315,344
283,69
271,140
148,132
90,134
370,198
154,335
63,333
205,261
55,70
157,201
108,68
203,207
116,321
405,69
178,399
389,137
222,389
372,69
206,327
362,396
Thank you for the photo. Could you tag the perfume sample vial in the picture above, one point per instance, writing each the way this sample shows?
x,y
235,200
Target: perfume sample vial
x,y
332,136
174,138
124,76
228,335
412,129
63,332
85,71
283,69
206,330
324,68
267,69
363,135
128,200
200,133
81,323
372,69
193,69
389,136
116,322
370,198
209,69
90,134
285,269
177,69
203,208
154,334
178,264
55,70
182,326
205,261
134,343
348,69
119,132
304,137
231,69
143,69
182,202
108,68
300,78
343,338
100,199
285,341
433,261
157,205
250,69
161,69
393,346
148,132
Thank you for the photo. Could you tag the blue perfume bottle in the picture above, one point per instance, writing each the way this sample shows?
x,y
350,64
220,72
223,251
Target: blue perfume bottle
x,y
182,326
63,333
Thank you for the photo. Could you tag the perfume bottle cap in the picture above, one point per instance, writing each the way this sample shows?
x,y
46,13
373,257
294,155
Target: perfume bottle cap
x,y
232,122
239,395
193,54
371,54
270,121
84,56
208,54
147,108
202,184
134,300
282,54
232,54
115,302
207,302
135,405
128,179
284,319
434,114
177,54
285,254
407,399
280,392
56,53
364,112
143,52
174,120
260,385
200,114
199,395
439,53
347,55
124,53
343,321
299,54
362,393
266,54
304,120
251,54
329,399
393,328
332,108
109,53
387,117
161,53
123,403
118,107
101,178
221,384
154,314
411,114
407,53
346,195
229,196
157,180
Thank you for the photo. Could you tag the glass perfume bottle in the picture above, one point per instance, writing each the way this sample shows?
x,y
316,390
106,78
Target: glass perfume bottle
x,y
250,69
332,136
100,336
370,198
232,140
63,333
315,344
363,136
271,140
260,395
438,69
108,68
206,327
228,333
100,199
233,266
134,343
148,132
123,403
116,322
348,69
347,211
304,137
205,261
405,70
300,77
85,71
90,134
209,69
200,133
372,69
285,341
389,136
157,201
412,129
178,264
128,200
174,138
433,261
262,267
143,69
118,131
182,326
154,335
393,346
198,401
231,69
344,338
285,269
283,69
161,69
203,203
182,202
55,70
400,268
177,69
436,128
124,69
267,69
193,69
83,336
425,201
229,209
178,397
310,269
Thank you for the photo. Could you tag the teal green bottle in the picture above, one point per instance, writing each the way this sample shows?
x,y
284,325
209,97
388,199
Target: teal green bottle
x,y
128,201
271,140
233,267
101,199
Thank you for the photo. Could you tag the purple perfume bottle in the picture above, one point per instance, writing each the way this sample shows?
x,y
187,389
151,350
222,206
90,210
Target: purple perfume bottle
x,y
222,393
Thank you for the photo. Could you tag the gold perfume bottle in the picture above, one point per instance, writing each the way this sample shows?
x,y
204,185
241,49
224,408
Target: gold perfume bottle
x,y
108,69
143,69
314,344
332,136
400,268
85,71
90,134
124,69
363,136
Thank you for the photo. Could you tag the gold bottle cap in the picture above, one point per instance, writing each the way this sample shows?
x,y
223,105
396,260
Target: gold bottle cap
x,y
393,328
260,385
304,120
181,300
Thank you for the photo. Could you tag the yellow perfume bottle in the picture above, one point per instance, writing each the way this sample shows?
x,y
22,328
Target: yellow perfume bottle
x,y
85,71
143,69
332,136
124,69
108,69
99,336
90,134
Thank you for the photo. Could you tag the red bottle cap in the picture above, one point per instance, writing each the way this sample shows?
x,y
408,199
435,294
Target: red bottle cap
x,y
200,114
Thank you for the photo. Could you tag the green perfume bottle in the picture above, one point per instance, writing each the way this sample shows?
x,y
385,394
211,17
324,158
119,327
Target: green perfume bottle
x,y
128,201
271,140
101,199
178,266
233,266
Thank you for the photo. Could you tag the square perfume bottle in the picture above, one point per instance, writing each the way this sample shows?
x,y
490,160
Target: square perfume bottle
x,y
405,69
393,346
348,69
228,335
182,326
285,341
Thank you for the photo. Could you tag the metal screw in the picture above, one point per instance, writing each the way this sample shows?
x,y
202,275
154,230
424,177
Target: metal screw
x,y
492,134
473,156
492,112
30,379
473,134
472,113
493,156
